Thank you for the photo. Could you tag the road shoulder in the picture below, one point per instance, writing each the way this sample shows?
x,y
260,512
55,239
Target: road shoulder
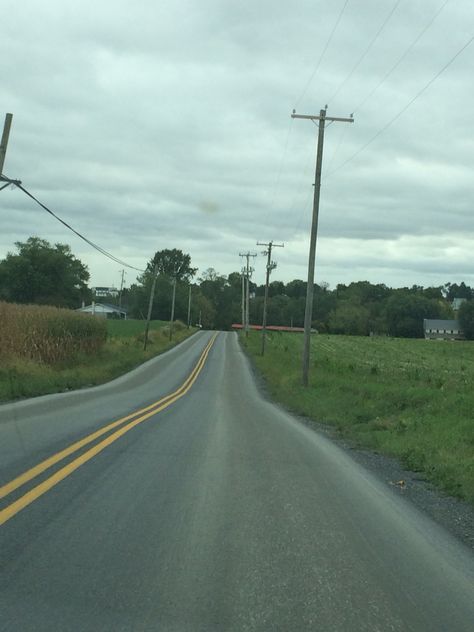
x,y
453,514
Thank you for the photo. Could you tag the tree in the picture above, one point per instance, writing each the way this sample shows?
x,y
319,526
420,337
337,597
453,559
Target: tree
x,y
172,263
405,313
276,288
224,294
44,274
453,290
466,319
296,289
348,318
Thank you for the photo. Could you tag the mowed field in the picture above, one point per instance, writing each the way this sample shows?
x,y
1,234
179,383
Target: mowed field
x,y
132,327
412,399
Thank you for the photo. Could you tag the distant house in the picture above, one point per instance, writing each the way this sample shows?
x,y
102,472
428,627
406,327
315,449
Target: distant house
x,y
442,329
104,310
100,292
457,302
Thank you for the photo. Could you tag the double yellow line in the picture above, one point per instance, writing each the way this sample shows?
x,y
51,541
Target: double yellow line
x,y
137,417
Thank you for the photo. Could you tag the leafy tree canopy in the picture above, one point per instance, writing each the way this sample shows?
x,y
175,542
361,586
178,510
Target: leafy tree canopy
x,y
42,273
172,263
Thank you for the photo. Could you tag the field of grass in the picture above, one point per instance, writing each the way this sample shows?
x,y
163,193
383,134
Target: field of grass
x,y
412,399
122,351
131,327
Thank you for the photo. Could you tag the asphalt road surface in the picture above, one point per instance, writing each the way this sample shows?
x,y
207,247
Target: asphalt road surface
x,y
211,509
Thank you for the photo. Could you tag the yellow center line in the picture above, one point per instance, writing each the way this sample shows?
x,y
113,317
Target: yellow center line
x,y
58,476
59,456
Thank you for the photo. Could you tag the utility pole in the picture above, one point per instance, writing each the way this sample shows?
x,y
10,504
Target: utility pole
x,y
243,299
271,265
4,144
308,315
121,288
150,305
189,306
172,304
248,272
3,151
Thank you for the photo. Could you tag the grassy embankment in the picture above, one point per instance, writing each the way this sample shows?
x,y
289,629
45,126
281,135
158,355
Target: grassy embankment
x,y
48,350
412,399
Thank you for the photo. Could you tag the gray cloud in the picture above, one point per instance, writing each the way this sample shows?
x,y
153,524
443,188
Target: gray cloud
x,y
168,125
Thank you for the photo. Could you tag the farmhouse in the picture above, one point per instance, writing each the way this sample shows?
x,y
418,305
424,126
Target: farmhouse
x,y
442,329
104,310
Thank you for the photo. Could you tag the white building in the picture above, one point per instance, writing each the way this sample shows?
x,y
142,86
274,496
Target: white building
x,y
100,292
104,310
442,329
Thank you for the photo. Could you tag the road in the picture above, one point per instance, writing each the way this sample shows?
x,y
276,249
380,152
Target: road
x,y
210,510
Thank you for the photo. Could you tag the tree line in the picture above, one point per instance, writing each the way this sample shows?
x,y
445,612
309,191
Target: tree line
x,y
42,273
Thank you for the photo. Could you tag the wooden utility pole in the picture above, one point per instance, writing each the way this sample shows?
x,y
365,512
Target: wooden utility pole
x,y
4,144
172,304
308,314
121,288
189,306
271,265
3,152
150,305
248,273
243,298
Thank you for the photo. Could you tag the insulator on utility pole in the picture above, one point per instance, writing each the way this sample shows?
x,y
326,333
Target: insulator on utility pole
x,y
308,315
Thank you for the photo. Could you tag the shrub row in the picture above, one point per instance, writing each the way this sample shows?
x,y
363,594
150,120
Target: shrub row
x,y
47,334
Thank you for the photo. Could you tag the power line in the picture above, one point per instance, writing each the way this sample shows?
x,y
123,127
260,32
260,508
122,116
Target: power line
x,y
326,46
362,57
277,183
313,74
68,226
402,57
404,109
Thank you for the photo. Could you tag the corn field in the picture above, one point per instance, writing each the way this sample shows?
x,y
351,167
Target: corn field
x,y
47,334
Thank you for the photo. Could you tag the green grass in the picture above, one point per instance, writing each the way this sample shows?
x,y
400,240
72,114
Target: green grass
x,y
412,399
131,327
122,352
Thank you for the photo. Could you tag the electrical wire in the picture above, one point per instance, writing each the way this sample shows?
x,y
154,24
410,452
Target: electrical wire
x,y
326,46
400,59
342,135
280,169
362,57
68,226
404,109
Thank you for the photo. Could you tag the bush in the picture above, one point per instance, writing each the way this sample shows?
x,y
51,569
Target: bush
x,y
47,334
466,319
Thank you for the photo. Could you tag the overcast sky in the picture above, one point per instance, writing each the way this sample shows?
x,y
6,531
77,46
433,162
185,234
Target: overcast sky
x,y
166,124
